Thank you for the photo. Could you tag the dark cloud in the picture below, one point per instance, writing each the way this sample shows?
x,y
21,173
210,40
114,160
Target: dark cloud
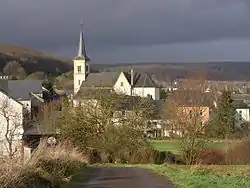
x,y
53,25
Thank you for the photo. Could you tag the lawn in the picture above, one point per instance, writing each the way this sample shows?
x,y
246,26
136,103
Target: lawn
x,y
174,145
204,176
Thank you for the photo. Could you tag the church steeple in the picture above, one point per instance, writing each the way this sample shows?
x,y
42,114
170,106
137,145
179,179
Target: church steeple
x,y
81,48
81,64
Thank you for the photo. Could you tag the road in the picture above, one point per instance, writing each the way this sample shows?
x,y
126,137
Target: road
x,y
122,177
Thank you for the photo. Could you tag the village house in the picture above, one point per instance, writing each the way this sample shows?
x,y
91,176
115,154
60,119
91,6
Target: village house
x,y
16,104
21,90
11,118
242,108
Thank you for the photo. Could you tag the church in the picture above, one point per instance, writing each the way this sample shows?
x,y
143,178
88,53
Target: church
x,y
128,83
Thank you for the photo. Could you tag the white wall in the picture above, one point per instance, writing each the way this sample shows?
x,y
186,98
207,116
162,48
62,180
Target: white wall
x,y
26,104
122,85
80,76
144,92
14,111
242,115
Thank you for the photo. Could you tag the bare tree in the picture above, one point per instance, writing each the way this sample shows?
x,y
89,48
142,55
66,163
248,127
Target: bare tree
x,y
47,120
187,111
11,123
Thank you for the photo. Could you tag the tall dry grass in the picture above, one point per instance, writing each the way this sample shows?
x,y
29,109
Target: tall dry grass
x,y
48,167
239,154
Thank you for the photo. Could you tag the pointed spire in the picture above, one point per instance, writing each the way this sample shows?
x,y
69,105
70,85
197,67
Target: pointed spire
x,y
81,49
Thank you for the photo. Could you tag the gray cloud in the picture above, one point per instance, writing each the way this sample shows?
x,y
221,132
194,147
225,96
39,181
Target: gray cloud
x,y
118,26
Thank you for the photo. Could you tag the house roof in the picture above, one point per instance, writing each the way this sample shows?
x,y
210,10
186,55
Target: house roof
x,y
140,79
239,104
103,79
193,98
108,79
4,92
20,89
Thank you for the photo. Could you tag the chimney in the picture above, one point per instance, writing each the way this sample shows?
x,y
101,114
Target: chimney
x,y
132,80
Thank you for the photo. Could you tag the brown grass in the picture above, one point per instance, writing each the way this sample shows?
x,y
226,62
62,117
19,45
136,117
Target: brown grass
x,y
239,154
211,157
48,166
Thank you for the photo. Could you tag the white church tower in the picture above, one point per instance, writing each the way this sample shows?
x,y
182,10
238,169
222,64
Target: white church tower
x,y
81,64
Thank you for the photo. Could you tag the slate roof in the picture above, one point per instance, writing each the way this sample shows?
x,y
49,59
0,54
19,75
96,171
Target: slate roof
x,y
141,79
193,98
108,79
20,89
103,79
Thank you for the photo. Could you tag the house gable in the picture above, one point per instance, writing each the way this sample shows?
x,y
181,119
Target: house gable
x,y
122,85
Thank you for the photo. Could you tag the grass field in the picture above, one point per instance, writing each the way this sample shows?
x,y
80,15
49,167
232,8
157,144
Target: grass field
x,y
174,145
205,176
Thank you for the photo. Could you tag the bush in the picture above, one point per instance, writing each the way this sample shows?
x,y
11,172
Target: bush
x,y
211,157
50,167
94,156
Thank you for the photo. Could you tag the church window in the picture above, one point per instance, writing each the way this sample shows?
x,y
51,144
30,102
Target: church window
x,y
79,82
79,68
121,84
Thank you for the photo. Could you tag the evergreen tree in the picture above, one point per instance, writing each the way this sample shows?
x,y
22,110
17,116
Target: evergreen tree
x,y
224,118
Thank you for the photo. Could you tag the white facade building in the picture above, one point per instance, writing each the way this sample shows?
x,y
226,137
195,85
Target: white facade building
x,y
242,115
11,123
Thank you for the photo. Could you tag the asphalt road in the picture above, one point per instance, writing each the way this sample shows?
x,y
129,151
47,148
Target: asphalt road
x,y
122,177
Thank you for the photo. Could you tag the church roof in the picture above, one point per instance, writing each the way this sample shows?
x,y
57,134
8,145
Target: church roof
x,y
82,49
103,79
108,79
141,80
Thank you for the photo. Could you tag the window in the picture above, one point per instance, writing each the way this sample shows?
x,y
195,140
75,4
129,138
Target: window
x,y
79,69
121,84
201,113
240,115
79,82
123,113
87,68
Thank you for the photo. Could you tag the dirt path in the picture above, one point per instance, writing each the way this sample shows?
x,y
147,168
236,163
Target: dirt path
x,y
122,177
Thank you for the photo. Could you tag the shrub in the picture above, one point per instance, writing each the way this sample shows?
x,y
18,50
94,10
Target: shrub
x,y
142,156
211,157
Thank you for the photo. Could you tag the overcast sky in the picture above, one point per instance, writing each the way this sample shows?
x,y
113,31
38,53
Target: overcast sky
x,y
131,30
